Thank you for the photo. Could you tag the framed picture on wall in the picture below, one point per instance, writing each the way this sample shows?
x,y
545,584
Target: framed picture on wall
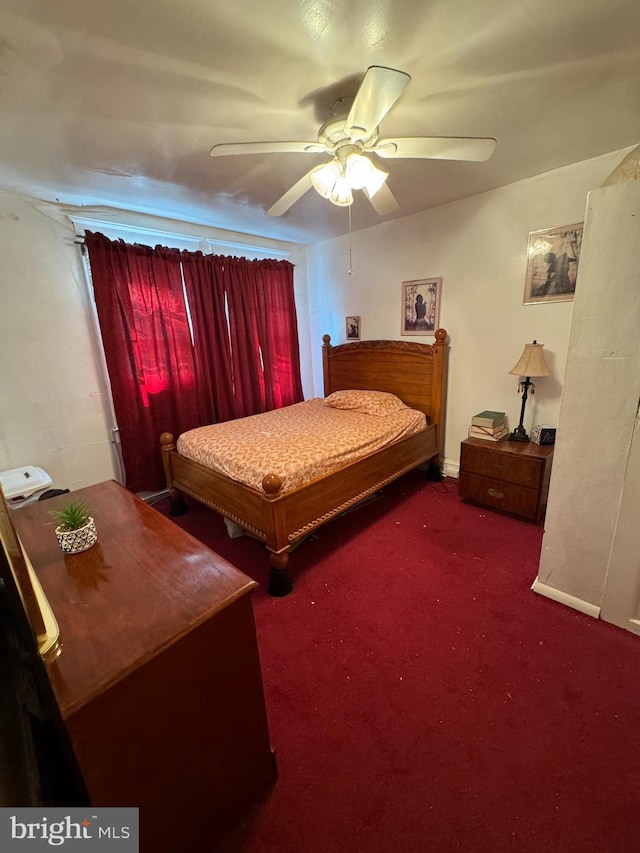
x,y
552,264
352,329
421,306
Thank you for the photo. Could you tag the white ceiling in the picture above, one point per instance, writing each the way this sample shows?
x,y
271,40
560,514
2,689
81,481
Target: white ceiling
x,y
117,102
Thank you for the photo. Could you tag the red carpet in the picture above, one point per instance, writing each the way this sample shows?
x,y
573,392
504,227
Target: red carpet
x,y
422,698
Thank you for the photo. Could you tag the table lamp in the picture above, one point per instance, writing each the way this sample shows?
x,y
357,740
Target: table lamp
x,y
531,363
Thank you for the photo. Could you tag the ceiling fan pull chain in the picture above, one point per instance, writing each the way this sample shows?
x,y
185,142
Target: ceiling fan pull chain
x,y
350,270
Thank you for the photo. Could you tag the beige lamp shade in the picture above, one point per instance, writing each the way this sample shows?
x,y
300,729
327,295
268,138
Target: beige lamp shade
x,y
531,362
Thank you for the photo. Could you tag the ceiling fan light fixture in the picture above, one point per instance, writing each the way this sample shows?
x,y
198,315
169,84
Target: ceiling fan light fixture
x,y
358,170
341,193
375,180
323,178
349,139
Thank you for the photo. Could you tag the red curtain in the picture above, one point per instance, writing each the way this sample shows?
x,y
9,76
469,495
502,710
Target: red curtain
x,y
243,358
257,366
145,331
278,333
207,306
241,288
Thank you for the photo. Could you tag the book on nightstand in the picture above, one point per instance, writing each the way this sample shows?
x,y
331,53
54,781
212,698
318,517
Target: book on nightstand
x,y
488,419
489,425
489,434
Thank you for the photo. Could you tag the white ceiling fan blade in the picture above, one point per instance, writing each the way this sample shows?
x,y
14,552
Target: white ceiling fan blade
x,y
378,92
437,148
266,148
291,196
383,201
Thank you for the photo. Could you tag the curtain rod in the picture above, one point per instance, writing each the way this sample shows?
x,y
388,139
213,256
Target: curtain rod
x,y
153,236
80,241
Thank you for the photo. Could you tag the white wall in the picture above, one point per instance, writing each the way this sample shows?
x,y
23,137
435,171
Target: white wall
x,y
478,246
54,408
52,399
599,406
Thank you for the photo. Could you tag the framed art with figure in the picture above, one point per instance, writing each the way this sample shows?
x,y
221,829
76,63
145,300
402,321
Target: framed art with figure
x,y
552,264
421,306
352,328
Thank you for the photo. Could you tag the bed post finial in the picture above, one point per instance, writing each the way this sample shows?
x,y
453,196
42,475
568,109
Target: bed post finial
x,y
326,340
166,441
271,484
441,336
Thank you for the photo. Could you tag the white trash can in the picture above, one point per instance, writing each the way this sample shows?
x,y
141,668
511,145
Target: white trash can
x,y
23,486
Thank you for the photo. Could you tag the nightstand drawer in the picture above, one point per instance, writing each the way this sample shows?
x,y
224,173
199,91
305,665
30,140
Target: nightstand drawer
x,y
498,494
520,470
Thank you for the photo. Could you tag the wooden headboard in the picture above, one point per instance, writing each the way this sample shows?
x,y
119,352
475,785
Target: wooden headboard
x,y
416,373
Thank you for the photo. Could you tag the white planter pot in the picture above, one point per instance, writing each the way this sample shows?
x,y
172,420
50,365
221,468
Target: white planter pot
x,y
74,541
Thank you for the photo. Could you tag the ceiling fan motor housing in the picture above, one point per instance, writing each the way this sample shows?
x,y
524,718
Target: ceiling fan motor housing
x,y
333,132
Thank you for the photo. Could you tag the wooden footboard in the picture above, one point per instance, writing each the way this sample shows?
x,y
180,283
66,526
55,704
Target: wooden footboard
x,y
282,520
416,373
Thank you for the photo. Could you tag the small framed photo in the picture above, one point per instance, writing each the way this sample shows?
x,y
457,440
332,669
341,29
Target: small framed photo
x,y
552,264
352,328
421,306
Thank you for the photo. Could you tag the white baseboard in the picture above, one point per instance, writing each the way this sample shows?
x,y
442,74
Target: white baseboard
x,y
565,598
451,469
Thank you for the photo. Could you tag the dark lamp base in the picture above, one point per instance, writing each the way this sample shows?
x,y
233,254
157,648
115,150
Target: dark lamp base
x,y
519,434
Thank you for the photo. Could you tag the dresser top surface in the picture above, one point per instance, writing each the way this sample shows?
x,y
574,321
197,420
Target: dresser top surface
x,y
145,583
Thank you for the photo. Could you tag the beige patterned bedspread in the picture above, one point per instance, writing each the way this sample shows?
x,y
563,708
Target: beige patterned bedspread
x,y
298,443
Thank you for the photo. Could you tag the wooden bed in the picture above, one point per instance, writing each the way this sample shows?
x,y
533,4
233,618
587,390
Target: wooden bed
x,y
414,372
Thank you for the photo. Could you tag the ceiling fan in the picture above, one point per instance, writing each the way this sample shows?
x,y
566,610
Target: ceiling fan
x,y
350,136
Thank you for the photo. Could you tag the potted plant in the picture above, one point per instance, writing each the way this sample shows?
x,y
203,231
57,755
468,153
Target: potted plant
x,y
76,529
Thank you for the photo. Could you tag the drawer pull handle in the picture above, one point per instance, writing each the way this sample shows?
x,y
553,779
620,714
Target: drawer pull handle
x,y
495,493
495,465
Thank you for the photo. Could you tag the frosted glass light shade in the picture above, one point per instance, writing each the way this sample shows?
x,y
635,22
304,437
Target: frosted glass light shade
x,y
362,174
323,178
341,193
375,181
358,170
331,182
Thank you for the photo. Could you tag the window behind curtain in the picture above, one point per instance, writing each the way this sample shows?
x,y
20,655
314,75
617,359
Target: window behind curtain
x,y
243,357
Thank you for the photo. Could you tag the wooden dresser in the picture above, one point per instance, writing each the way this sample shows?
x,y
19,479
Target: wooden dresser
x,y
507,475
158,682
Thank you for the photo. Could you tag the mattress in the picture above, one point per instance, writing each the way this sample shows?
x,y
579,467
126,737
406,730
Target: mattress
x,y
299,443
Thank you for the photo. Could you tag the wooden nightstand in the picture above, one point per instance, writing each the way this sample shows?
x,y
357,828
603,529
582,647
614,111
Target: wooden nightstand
x,y
507,475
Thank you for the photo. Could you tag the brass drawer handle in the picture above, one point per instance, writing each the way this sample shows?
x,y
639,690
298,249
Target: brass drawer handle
x,y
495,465
495,493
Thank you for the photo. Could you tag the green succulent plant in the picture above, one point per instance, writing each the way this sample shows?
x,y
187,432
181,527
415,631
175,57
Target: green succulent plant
x,y
72,516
